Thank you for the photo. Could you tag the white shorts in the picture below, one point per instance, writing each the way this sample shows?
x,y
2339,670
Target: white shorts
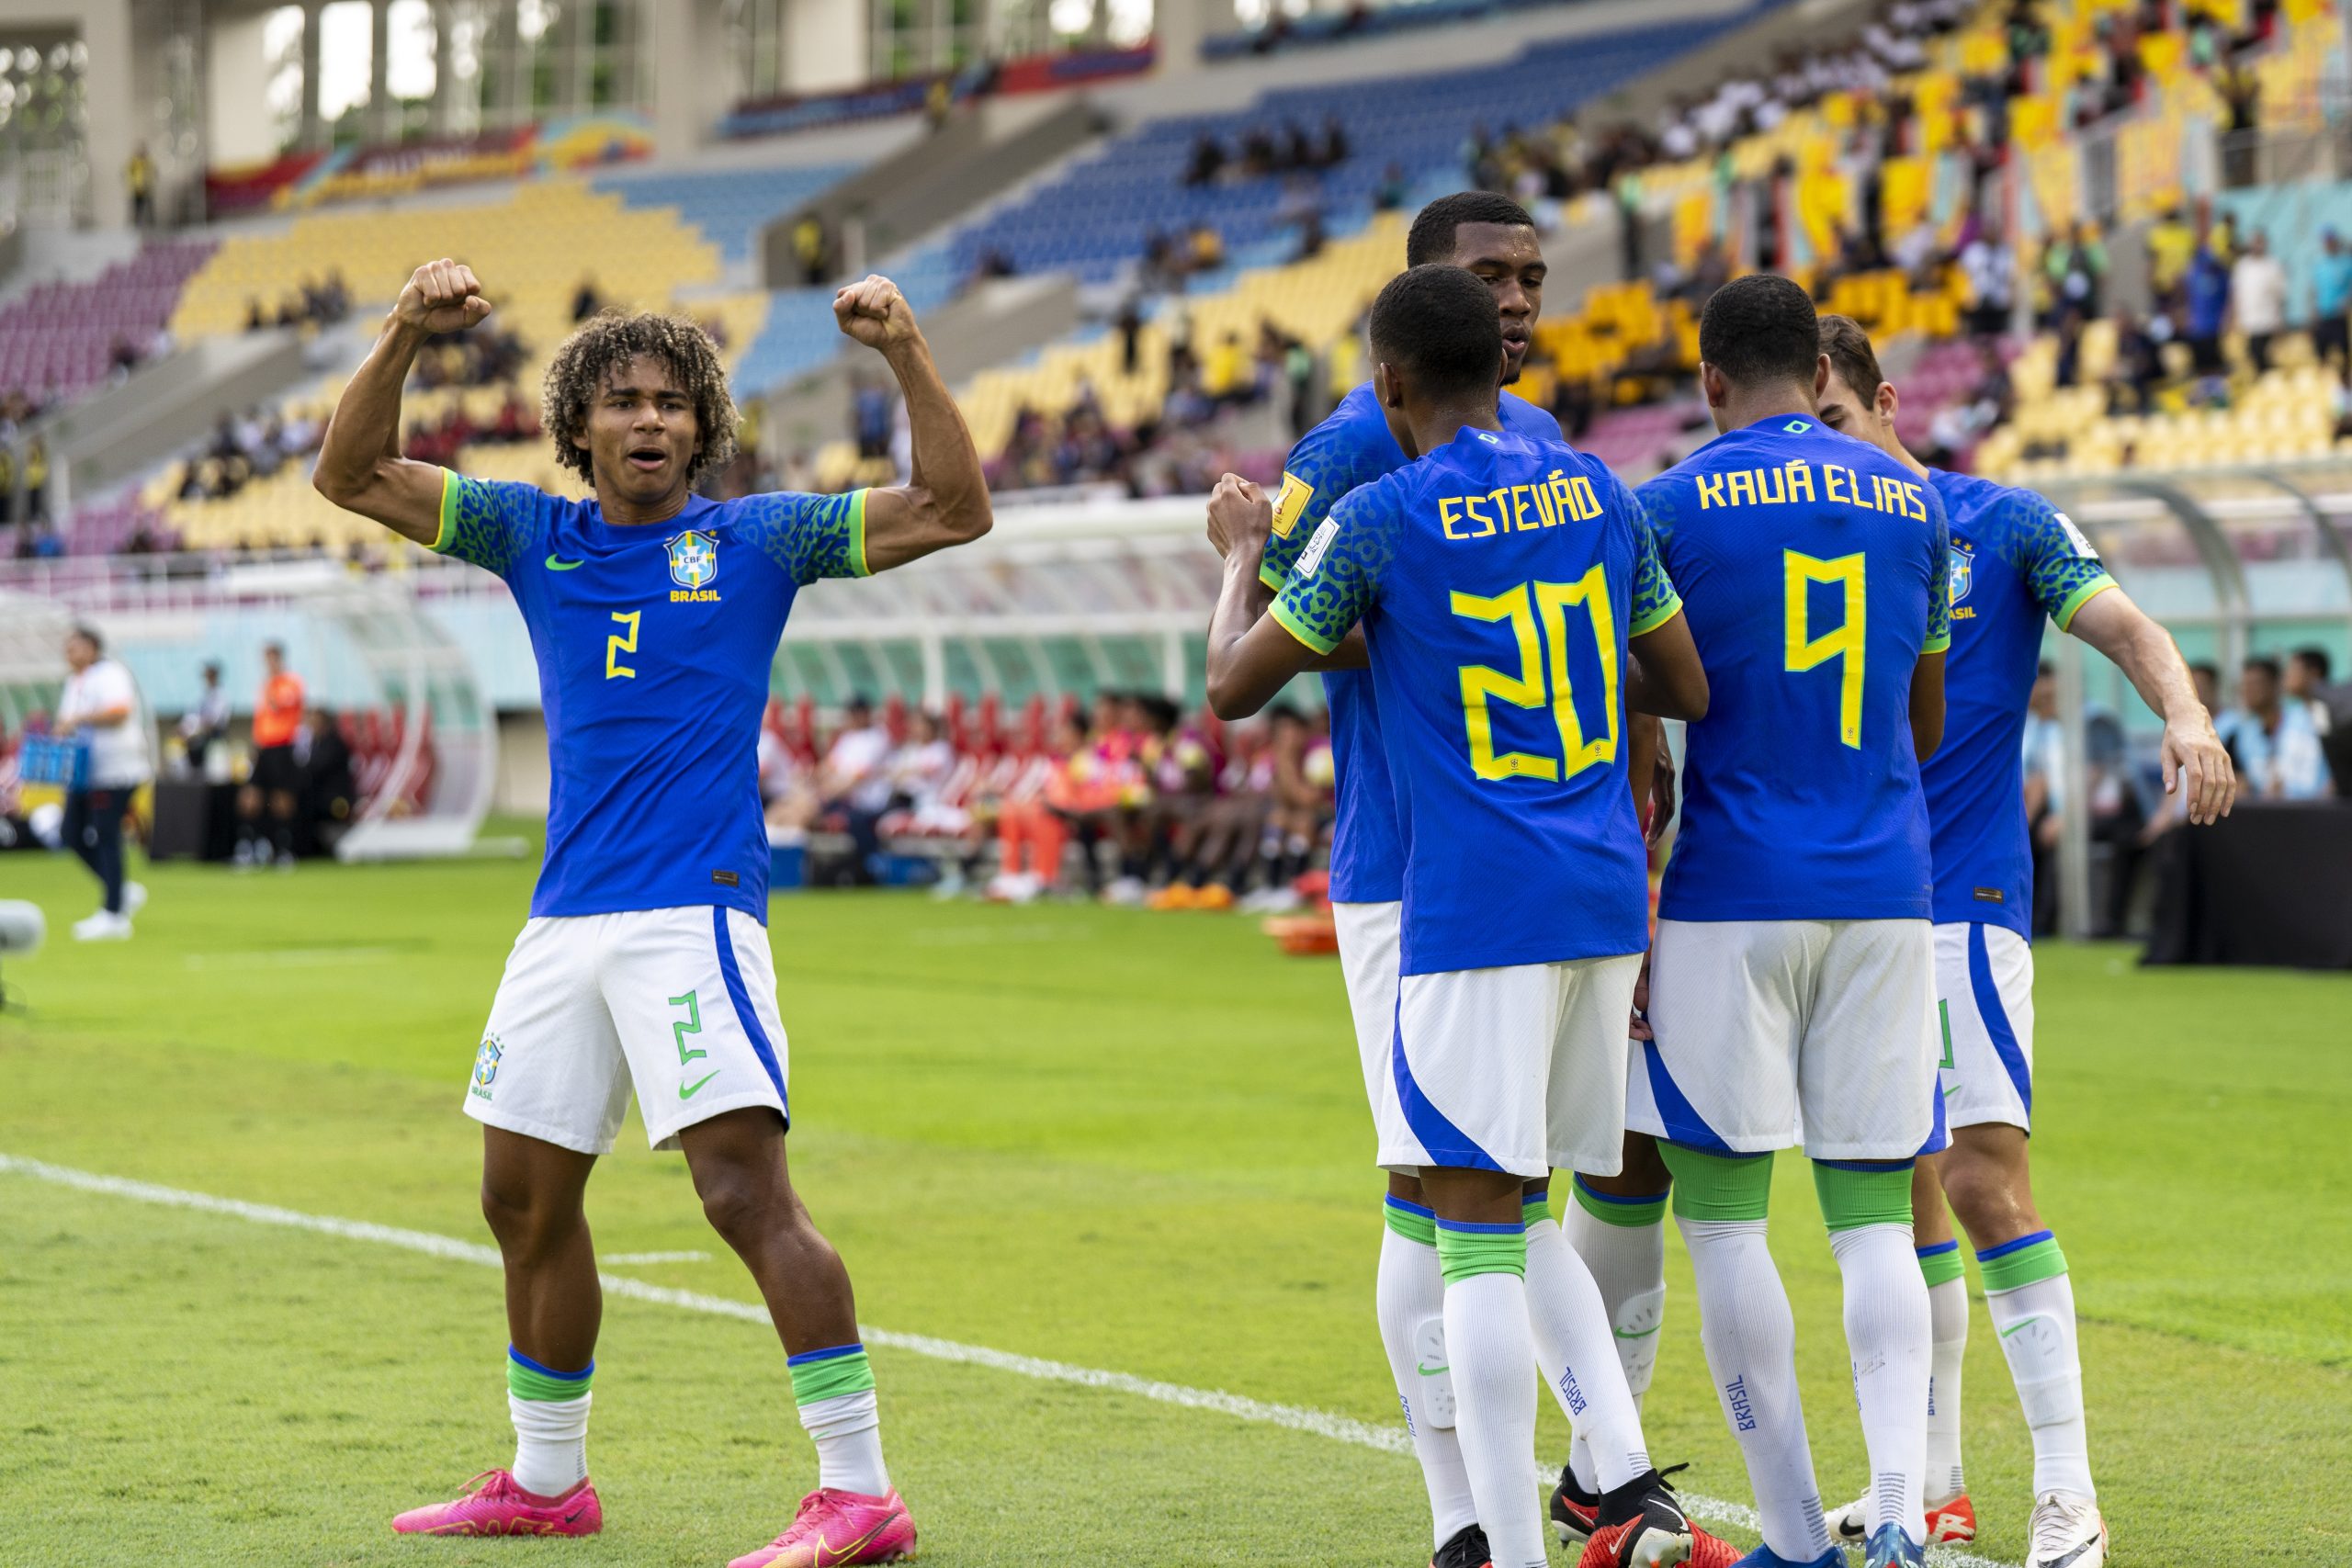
x,y
1368,936
1775,1033
679,1002
1519,1069
1985,981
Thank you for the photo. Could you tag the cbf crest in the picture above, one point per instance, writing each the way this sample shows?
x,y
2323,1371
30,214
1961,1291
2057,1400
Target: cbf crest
x,y
1964,572
486,1062
694,565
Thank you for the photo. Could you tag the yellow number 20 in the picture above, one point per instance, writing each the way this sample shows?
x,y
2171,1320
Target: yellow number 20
x,y
1806,651
1540,682
620,643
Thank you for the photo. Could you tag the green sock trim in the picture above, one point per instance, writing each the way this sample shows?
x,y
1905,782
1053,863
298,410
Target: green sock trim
x,y
1488,1249
529,1382
1411,1221
1534,1208
2026,1266
1852,1197
1719,1187
1943,1267
828,1376
1631,1213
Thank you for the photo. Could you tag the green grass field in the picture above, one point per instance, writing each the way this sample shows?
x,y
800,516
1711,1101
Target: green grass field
x,y
1115,1140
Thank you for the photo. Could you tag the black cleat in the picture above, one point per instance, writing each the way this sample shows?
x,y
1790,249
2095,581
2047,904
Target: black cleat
x,y
1466,1548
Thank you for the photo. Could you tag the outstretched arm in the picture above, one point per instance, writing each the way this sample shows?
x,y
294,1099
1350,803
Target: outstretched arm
x,y
2196,763
945,502
359,468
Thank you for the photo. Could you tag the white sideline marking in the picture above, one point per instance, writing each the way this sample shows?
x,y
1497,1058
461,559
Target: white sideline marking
x,y
643,1257
1296,1419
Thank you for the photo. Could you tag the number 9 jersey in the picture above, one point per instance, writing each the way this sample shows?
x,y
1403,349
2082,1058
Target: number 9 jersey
x,y
1498,580
1814,570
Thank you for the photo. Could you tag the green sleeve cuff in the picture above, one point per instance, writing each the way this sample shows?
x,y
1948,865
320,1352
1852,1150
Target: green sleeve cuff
x,y
1301,631
448,534
2080,597
1939,643
1659,616
1270,577
857,536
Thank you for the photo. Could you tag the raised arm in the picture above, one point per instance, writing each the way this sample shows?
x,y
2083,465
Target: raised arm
x,y
2196,763
945,500
359,468
1238,508
1252,655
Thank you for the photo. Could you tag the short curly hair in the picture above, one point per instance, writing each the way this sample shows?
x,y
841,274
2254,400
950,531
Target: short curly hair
x,y
613,338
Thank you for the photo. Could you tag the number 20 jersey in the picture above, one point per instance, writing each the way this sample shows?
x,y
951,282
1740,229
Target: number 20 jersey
x,y
1813,570
1498,580
653,644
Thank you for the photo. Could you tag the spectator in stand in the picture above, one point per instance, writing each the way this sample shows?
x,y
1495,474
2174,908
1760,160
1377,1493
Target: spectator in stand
x,y
204,725
2307,670
37,479
855,782
1335,149
2075,269
1991,269
1392,190
870,419
1207,161
2205,303
278,776
585,301
2259,298
919,769
2275,744
100,708
2139,366
330,794
139,178
2172,244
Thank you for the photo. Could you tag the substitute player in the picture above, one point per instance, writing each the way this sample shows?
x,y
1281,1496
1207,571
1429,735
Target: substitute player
x,y
2016,563
1502,583
1495,239
654,614
1794,974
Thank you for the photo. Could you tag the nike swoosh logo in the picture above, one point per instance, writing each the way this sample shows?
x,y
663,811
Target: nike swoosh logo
x,y
555,565
1952,1090
2012,1328
2062,1562
1643,1334
1430,1371
687,1091
841,1554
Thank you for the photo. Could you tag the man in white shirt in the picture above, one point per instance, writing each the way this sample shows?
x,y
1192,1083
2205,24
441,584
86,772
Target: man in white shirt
x,y
2259,298
101,709
857,781
206,723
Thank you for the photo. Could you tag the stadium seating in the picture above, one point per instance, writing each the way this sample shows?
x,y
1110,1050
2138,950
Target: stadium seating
x,y
727,207
56,339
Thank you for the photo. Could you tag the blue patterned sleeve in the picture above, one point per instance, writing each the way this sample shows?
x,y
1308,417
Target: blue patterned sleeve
x,y
807,537
2059,567
1321,469
1938,637
1337,575
488,522
1655,600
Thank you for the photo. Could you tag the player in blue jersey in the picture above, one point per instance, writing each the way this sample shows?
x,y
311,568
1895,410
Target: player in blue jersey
x,y
1495,239
1791,988
1512,609
2017,563
654,615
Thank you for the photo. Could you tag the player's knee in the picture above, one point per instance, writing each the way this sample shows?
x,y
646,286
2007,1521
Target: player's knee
x,y
524,1223
1987,1196
739,1202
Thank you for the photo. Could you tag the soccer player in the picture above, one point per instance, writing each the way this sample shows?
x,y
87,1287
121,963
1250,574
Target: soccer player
x,y
1792,987
1495,239
2016,563
1504,586
654,614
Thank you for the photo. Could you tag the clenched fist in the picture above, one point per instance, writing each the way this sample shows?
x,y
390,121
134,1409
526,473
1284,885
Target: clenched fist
x,y
442,297
873,312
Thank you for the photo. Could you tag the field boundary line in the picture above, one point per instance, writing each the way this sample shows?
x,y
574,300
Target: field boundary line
x,y
1294,1418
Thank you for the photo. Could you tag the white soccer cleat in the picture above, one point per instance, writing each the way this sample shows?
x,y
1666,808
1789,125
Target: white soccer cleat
x,y
103,926
2066,1532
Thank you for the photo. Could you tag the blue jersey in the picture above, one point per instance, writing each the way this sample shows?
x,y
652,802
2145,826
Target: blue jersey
x,y
654,645
1498,580
1814,571
1346,451
2016,561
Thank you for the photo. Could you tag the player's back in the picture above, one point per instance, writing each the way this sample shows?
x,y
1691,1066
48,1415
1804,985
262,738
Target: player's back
x,y
1506,573
1812,569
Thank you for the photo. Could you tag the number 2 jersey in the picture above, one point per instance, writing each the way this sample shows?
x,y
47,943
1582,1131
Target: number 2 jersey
x,y
1350,449
1498,580
2016,559
654,644
1813,570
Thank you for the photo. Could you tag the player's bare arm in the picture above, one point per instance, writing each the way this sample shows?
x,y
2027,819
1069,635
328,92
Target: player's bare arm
x,y
945,502
2197,764
1252,656
1239,509
1928,704
359,468
1666,679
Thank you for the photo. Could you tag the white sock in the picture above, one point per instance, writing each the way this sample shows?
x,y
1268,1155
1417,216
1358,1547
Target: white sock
x,y
1888,1335
1750,1338
1948,1310
1628,1264
551,1443
1578,1356
2036,1323
1491,1347
848,1432
1410,1296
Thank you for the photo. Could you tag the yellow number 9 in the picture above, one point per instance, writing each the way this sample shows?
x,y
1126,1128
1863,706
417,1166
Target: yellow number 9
x,y
1846,643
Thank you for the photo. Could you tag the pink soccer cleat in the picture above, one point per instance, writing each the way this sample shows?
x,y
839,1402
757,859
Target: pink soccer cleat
x,y
835,1528
498,1507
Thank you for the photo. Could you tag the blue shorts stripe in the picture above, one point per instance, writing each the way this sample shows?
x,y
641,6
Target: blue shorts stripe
x,y
1598,1196
1682,1123
1996,1017
745,1014
1939,1129
528,1365
1446,1145
1989,1253
802,1360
